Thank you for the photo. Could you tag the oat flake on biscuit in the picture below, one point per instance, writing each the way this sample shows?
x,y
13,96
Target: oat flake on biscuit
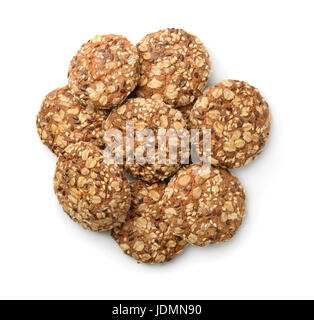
x,y
62,120
94,194
175,67
186,111
104,71
144,236
204,206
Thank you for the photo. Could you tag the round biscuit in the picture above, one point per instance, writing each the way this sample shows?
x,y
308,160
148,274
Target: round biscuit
x,y
239,119
144,236
175,67
204,205
94,194
62,120
104,71
151,115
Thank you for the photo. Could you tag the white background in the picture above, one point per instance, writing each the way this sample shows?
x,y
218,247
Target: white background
x,y
43,254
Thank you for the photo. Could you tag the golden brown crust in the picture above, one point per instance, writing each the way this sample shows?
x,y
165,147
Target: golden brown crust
x,y
95,194
104,71
147,114
240,121
175,67
205,206
62,120
144,236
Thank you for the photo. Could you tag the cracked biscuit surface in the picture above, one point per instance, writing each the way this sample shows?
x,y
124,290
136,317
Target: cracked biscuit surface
x,y
94,194
186,111
204,205
151,115
144,236
175,67
62,120
104,71
240,121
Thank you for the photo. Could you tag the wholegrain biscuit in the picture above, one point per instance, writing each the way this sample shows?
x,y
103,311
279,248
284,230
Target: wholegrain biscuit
x,y
104,71
62,120
240,121
203,205
152,115
175,67
95,194
144,236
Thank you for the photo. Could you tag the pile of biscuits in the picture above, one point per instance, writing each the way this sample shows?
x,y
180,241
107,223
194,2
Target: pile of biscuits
x,y
153,210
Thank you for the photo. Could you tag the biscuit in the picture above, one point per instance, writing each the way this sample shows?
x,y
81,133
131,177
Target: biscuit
x,y
240,121
144,236
204,206
104,71
148,114
94,194
62,120
175,67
